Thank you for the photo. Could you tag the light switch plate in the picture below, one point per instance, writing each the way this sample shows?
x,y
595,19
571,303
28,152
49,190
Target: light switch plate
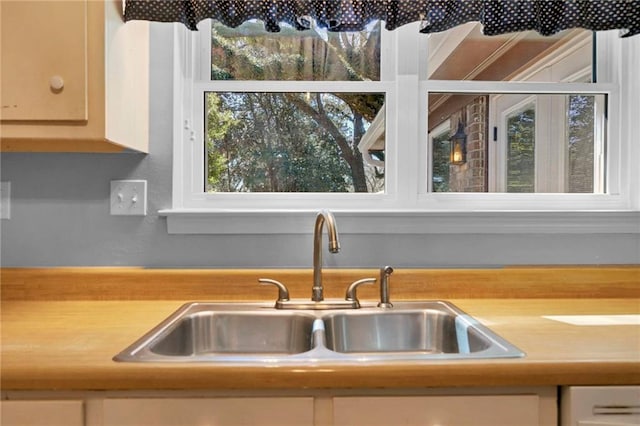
x,y
129,197
5,200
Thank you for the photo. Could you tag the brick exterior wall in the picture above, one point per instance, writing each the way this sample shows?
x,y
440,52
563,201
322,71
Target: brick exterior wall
x,y
473,175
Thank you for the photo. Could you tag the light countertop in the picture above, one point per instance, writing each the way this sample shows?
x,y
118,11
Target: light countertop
x,y
69,345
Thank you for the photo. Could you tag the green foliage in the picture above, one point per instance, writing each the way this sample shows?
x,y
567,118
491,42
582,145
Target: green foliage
x,y
581,113
521,151
219,123
441,162
250,53
275,147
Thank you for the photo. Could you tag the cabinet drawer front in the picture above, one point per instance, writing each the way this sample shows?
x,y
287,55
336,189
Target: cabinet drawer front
x,y
490,410
285,411
42,41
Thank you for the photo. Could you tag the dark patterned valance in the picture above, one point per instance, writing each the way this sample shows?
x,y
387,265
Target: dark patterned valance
x,y
497,16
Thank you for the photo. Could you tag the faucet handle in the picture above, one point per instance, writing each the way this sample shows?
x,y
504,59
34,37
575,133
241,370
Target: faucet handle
x,y
283,292
351,291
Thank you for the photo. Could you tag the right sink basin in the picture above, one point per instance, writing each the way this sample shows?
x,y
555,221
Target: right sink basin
x,y
427,331
414,330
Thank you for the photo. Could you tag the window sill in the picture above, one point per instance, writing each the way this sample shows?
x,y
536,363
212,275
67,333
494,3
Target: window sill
x,y
195,221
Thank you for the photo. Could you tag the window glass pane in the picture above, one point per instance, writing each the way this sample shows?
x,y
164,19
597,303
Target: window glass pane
x,y
521,143
248,52
464,53
441,149
294,142
580,138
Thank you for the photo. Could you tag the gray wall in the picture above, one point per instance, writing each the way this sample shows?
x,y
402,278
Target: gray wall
x,y
60,217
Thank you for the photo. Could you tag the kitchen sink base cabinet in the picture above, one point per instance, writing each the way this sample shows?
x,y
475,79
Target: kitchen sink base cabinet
x,y
424,407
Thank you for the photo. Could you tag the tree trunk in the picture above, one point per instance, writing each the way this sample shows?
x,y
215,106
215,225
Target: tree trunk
x,y
349,154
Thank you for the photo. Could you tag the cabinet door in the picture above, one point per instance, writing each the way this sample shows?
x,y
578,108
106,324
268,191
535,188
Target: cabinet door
x,y
490,410
294,411
43,43
41,413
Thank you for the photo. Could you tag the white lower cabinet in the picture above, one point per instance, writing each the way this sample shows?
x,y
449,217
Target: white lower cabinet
x,y
42,413
474,408
488,410
277,411
363,407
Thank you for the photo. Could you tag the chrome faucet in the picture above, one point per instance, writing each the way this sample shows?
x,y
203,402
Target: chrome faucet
x,y
324,216
317,297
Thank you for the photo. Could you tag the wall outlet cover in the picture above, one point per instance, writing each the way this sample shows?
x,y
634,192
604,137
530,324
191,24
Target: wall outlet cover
x,y
129,197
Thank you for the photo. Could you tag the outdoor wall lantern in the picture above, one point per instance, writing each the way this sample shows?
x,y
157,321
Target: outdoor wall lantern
x,y
459,146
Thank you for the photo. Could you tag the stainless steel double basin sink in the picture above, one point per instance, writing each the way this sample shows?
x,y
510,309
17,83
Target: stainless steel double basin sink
x,y
258,333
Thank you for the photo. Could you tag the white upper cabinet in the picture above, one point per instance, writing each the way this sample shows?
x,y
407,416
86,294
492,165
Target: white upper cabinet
x,y
74,77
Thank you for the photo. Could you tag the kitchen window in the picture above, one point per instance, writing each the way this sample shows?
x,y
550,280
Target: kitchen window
x,y
364,132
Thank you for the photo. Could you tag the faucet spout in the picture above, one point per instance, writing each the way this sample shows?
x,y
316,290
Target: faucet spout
x,y
323,217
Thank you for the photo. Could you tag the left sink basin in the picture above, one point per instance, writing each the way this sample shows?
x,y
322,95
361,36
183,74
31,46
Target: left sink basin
x,y
219,332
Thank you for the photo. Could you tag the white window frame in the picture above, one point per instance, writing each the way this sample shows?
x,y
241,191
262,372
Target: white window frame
x,y
568,64
193,174
498,149
551,160
408,206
